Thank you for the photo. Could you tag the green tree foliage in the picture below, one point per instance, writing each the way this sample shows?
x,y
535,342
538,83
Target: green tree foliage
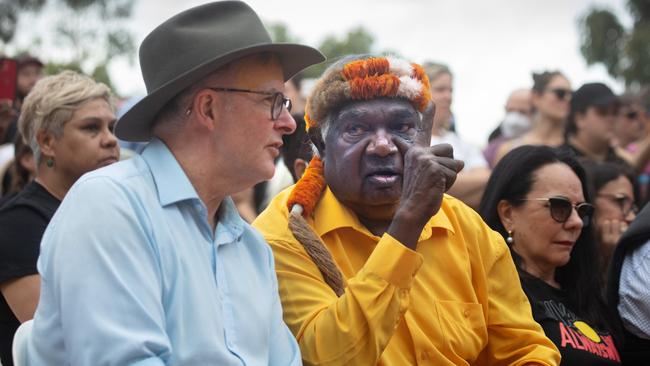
x,y
90,34
625,53
356,41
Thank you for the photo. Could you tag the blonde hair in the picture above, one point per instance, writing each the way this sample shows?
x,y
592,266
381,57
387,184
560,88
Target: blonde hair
x,y
53,101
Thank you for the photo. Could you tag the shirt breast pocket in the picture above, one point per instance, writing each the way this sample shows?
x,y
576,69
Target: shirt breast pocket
x,y
463,328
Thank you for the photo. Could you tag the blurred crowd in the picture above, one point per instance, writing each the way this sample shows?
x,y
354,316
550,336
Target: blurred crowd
x,y
585,144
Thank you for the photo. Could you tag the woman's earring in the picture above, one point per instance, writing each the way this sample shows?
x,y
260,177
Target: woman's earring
x,y
49,162
509,239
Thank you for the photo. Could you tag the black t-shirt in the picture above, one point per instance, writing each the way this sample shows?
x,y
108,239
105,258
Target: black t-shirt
x,y
22,222
578,342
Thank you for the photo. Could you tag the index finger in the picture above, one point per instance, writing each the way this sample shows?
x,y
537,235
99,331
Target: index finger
x,y
423,135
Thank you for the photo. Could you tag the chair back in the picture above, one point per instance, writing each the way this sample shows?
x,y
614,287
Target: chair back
x,y
19,348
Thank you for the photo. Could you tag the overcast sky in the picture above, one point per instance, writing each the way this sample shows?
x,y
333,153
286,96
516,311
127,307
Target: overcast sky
x,y
491,46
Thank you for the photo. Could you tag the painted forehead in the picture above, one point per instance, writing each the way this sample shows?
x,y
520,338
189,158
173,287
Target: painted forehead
x,y
367,79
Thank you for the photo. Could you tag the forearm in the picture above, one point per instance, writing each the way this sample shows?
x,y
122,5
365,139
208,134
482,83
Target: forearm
x,y
22,295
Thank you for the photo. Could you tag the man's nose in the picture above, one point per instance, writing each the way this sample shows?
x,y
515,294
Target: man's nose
x,y
285,123
381,143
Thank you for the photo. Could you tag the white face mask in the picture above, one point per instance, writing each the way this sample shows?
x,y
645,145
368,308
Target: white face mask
x,y
515,124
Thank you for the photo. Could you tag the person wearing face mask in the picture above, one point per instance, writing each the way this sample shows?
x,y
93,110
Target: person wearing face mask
x,y
550,96
515,123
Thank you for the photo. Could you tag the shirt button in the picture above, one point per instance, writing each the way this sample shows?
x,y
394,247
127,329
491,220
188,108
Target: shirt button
x,y
466,313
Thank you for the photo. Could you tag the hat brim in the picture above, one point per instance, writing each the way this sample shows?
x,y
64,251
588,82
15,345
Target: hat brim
x,y
135,124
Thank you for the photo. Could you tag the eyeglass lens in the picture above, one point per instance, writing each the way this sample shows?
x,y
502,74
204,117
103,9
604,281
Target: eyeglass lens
x,y
561,210
562,93
279,101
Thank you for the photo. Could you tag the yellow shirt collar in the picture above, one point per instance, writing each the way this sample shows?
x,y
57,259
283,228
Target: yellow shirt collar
x,y
331,215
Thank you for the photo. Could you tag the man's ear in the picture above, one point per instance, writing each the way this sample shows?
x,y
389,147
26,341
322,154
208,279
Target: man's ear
x,y
316,137
46,141
505,211
203,105
299,167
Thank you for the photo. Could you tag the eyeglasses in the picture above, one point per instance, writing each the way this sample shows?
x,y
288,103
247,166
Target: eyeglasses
x,y
278,100
631,115
561,209
561,94
625,203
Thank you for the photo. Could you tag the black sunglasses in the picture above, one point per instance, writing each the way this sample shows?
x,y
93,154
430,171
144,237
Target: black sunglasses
x,y
625,203
562,94
561,209
278,99
632,115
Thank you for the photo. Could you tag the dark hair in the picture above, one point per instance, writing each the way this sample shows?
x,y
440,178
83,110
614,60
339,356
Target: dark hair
x,y
511,180
601,173
20,176
542,79
296,146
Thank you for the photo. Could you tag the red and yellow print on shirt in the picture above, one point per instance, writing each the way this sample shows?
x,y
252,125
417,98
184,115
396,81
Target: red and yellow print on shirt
x,y
579,335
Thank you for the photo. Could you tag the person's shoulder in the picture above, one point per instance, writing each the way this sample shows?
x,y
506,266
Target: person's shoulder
x,y
121,171
467,222
273,222
32,202
457,209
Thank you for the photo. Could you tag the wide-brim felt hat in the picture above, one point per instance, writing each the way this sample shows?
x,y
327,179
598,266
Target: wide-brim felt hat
x,y
192,45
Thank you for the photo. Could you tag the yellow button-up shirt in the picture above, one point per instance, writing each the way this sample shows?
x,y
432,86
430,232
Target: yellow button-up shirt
x,y
457,300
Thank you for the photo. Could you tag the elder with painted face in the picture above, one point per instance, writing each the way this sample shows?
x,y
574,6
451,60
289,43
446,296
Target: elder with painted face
x,y
537,199
376,265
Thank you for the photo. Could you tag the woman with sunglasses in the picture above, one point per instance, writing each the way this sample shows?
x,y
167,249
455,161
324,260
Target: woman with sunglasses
x,y
613,189
536,198
551,96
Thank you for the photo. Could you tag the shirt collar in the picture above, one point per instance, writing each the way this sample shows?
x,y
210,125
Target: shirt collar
x,y
171,182
330,215
230,225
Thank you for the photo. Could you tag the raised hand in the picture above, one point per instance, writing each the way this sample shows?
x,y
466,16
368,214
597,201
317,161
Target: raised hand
x,y
429,171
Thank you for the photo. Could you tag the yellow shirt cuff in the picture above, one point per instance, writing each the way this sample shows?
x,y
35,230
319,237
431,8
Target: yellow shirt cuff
x,y
394,262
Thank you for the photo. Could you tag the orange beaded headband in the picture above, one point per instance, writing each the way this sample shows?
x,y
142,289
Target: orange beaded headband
x,y
366,79
361,79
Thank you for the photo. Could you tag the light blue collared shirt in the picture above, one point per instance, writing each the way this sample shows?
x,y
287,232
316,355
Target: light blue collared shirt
x,y
132,273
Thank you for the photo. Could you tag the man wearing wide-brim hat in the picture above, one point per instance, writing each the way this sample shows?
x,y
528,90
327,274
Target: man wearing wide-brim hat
x,y
148,262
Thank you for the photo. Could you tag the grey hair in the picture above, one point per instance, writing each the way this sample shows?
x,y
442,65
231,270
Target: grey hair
x,y
53,101
435,69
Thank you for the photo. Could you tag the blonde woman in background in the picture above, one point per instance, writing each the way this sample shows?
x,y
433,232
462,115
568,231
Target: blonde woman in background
x,y
471,181
68,121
